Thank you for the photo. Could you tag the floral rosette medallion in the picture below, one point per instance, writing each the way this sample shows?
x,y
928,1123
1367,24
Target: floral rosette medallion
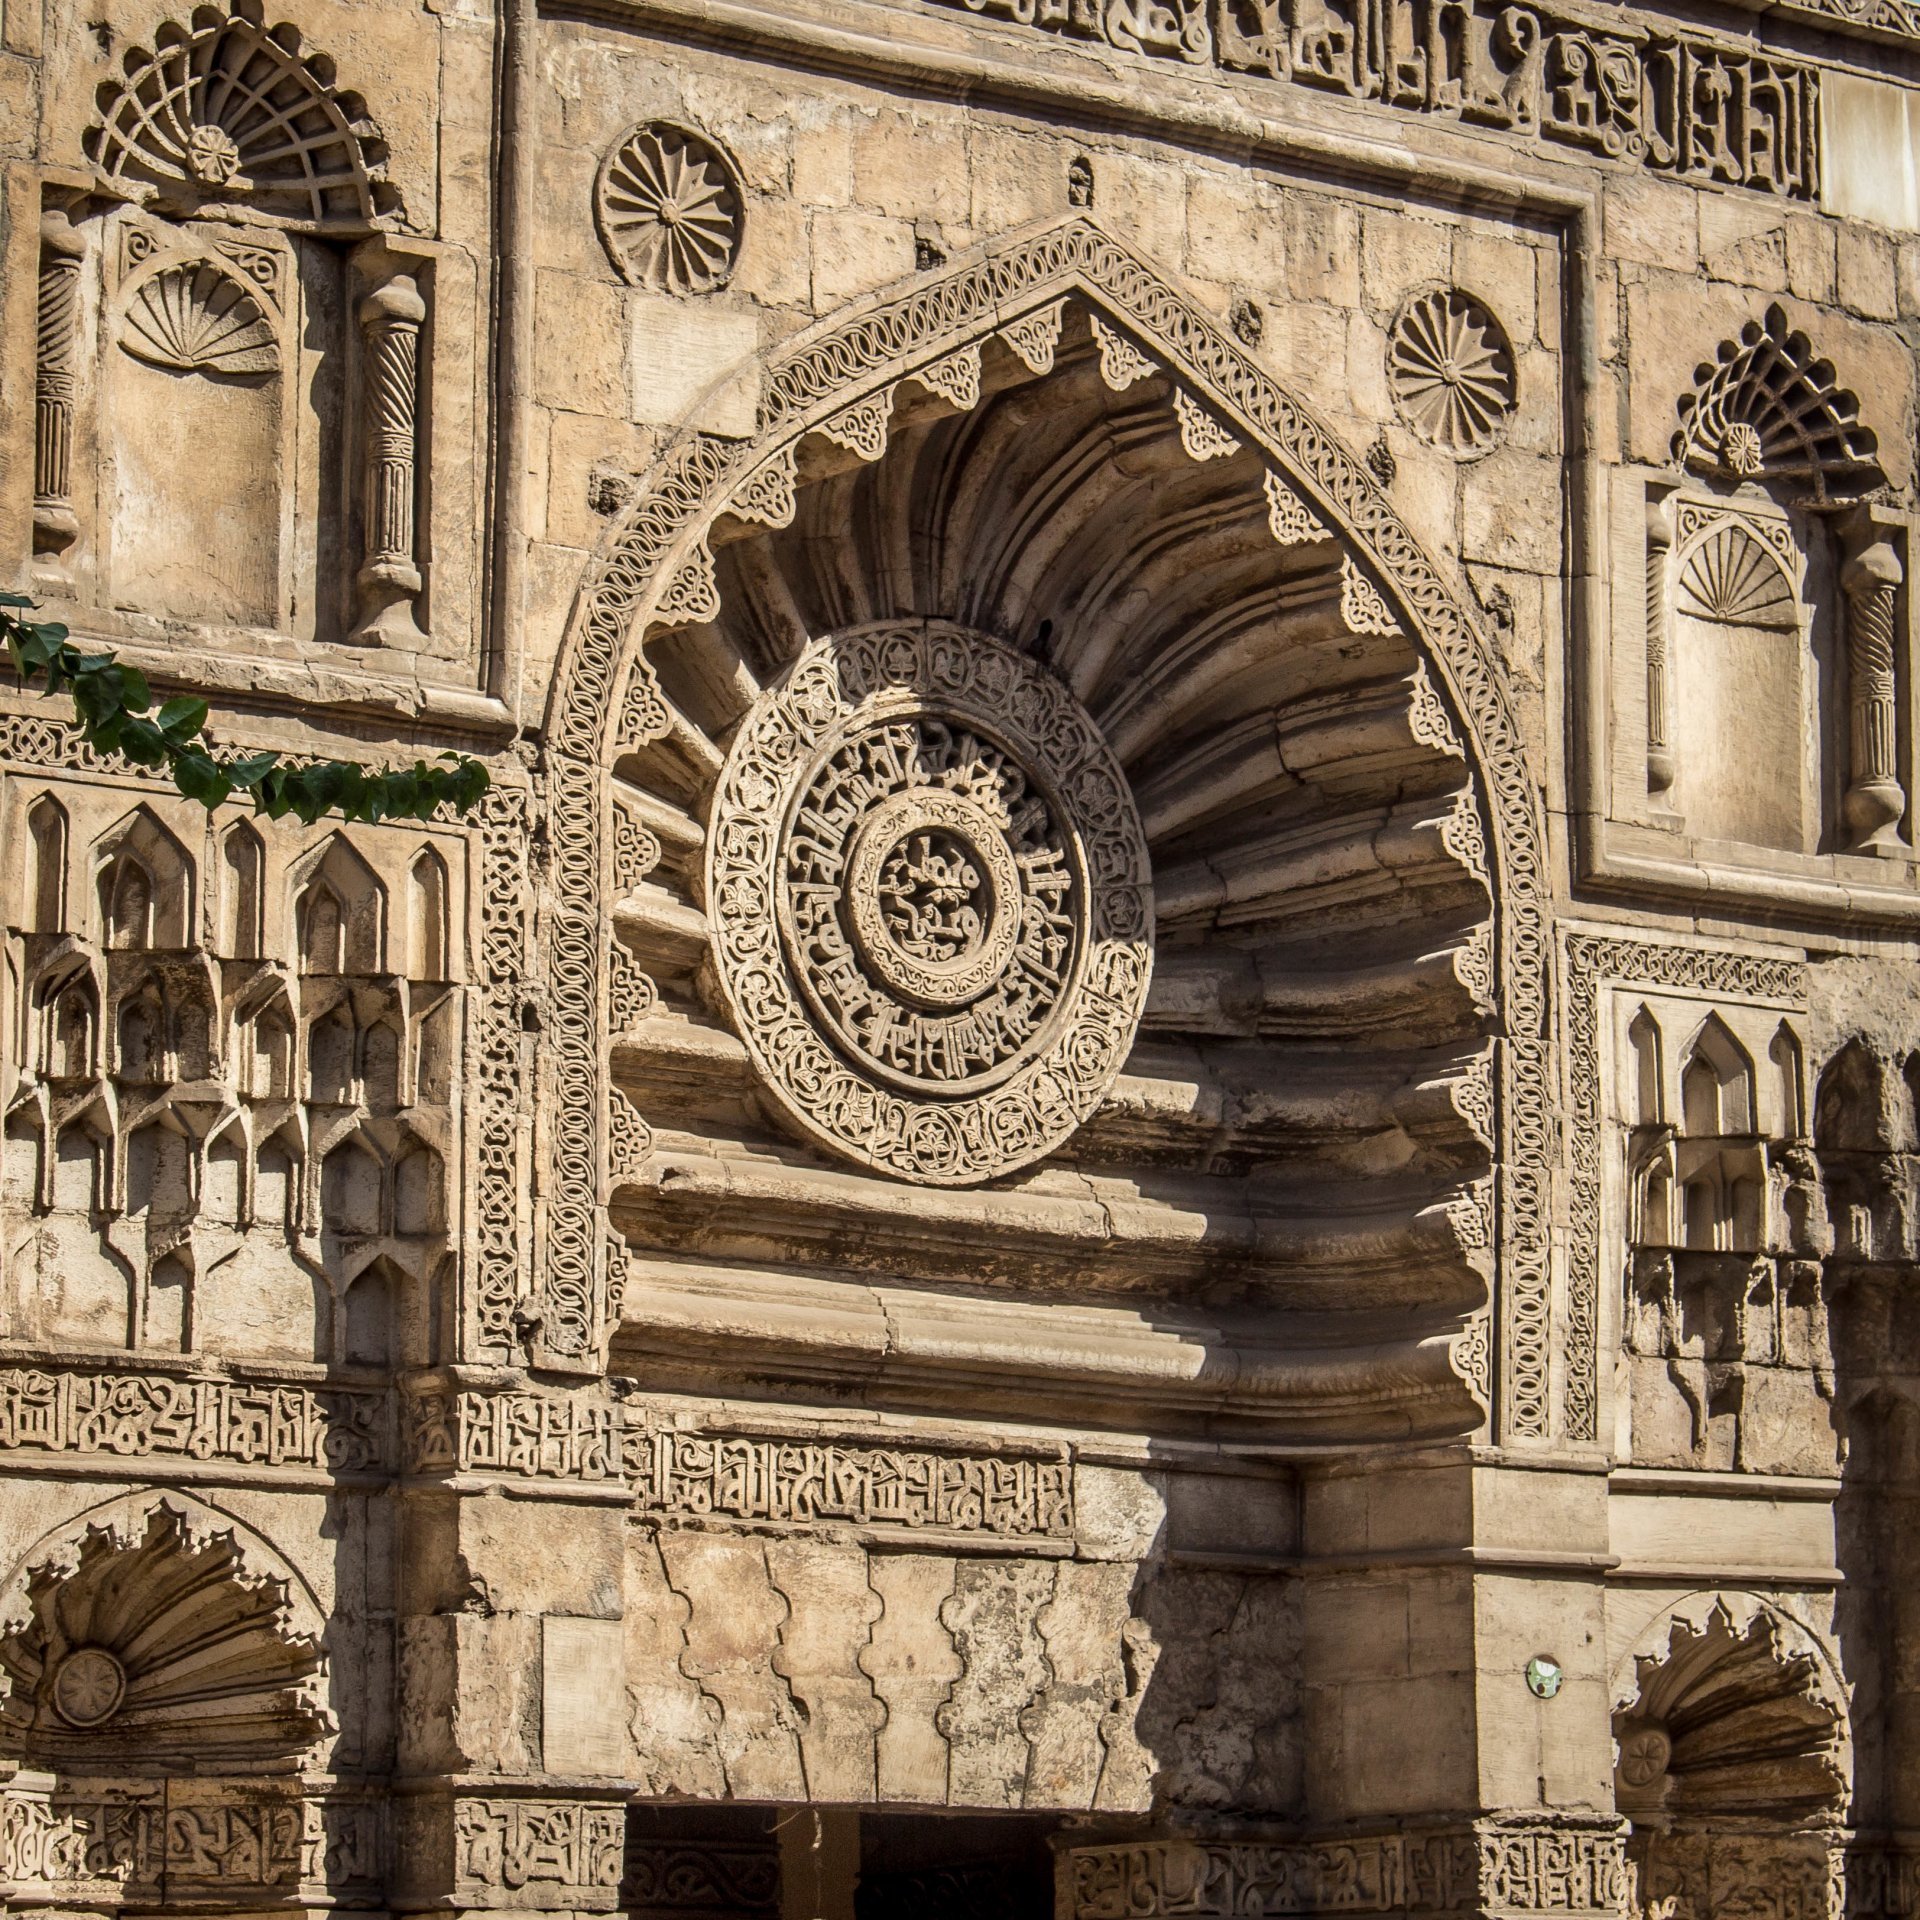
x,y
931,908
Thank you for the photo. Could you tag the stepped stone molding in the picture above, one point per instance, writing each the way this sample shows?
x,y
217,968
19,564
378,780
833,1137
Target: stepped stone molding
x,y
606,701
226,109
1691,106
1591,962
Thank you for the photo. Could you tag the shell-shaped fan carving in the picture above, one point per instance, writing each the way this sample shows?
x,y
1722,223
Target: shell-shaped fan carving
x,y
200,319
669,210
1730,1720
1730,577
1767,408
229,110
165,1645
1451,371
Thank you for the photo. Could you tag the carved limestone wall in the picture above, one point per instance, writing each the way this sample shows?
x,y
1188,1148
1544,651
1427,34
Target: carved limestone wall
x,y
1156,1153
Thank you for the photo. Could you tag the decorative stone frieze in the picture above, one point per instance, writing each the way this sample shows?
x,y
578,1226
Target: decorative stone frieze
x,y
124,1845
1694,107
688,1474
69,1415
526,1852
1575,1868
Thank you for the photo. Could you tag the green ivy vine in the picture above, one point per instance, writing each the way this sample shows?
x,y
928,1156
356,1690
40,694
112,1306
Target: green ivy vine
x,y
114,712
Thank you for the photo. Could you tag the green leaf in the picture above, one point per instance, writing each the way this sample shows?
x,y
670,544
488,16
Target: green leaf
x,y
182,717
110,701
250,769
201,778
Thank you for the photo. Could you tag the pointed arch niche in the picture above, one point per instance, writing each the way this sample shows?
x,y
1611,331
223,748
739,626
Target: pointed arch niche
x,y
1041,513
1759,600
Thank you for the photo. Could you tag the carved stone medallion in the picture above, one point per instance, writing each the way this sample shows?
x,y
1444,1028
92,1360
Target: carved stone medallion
x,y
928,887
88,1686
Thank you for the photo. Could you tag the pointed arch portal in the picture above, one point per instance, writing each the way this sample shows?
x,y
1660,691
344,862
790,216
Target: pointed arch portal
x,y
1271,1191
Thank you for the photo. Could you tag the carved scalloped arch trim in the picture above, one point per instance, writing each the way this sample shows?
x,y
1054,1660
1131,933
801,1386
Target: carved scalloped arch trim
x,y
1796,1637
838,378
227,108
124,1524
1766,408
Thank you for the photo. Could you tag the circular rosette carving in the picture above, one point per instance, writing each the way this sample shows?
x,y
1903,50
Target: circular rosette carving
x,y
928,887
669,210
1451,370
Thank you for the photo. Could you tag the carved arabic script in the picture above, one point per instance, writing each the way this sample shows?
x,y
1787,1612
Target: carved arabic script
x,y
1682,106
743,1477
142,1416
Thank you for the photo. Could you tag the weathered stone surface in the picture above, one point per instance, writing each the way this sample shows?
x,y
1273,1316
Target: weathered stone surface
x,y
1173,1082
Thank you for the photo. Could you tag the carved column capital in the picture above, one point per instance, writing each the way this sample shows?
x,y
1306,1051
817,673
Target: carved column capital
x,y
391,314
1659,533
1870,577
55,525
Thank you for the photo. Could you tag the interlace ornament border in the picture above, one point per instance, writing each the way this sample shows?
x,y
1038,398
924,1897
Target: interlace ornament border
x,y
657,555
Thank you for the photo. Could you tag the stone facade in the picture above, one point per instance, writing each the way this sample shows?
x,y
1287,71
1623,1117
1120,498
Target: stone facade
x,y
1158,1152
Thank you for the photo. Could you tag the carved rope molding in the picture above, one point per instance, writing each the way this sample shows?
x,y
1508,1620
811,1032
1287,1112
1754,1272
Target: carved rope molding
x,y
1594,960
655,565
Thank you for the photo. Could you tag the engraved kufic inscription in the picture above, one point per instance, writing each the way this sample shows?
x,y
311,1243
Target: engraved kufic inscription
x,y
932,918
749,1479
139,1416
